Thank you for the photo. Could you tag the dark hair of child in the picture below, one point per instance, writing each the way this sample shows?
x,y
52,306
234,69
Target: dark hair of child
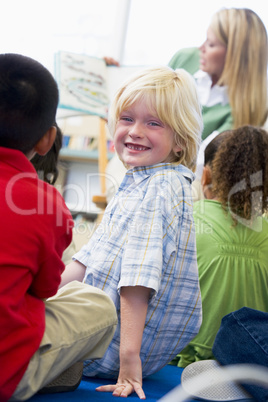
x,y
213,146
28,101
240,171
46,166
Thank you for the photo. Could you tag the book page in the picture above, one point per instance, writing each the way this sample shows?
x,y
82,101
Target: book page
x,y
82,82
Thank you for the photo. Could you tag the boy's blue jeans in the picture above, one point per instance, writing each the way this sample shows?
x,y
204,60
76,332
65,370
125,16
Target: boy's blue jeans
x,y
243,338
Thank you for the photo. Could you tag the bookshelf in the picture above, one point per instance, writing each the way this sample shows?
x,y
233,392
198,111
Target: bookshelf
x,y
81,155
87,147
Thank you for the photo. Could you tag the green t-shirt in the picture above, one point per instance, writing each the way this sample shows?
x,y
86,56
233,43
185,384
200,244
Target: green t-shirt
x,y
233,272
215,118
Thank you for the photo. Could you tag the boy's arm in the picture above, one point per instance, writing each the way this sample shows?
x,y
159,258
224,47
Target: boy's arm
x,y
75,271
134,304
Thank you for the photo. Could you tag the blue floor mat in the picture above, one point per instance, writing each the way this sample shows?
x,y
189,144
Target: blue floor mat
x,y
155,387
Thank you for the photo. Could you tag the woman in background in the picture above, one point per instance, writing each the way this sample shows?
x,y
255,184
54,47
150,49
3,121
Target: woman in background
x,y
230,69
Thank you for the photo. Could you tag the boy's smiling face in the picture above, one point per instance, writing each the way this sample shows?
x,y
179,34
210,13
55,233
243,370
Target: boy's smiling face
x,y
141,138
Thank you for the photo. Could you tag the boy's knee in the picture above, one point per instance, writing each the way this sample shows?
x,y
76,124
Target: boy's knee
x,y
104,302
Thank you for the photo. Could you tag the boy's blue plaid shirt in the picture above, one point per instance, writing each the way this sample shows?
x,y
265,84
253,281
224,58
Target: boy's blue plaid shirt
x,y
147,238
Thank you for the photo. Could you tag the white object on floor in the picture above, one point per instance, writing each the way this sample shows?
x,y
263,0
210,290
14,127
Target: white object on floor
x,y
202,378
215,390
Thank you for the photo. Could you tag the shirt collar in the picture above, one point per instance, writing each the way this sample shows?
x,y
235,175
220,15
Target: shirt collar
x,y
141,172
210,96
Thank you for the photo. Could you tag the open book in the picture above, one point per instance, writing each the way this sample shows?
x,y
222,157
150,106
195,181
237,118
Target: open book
x,y
86,84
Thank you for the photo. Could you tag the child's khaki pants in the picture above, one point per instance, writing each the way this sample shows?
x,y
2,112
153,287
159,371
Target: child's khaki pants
x,y
80,323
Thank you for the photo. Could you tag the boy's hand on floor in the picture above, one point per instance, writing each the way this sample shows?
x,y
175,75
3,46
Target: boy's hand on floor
x,y
129,380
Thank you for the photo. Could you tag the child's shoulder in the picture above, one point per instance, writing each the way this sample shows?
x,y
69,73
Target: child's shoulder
x,y
170,173
171,181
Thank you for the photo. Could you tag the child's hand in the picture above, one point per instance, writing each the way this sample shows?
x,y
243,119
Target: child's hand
x,y
129,380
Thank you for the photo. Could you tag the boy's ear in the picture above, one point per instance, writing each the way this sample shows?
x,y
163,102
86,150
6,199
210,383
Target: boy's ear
x,y
46,142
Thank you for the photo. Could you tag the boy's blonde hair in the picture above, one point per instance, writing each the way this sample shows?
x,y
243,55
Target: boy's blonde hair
x,y
172,96
245,70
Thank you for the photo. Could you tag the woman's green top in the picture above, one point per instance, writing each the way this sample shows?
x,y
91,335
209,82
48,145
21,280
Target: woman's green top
x,y
215,118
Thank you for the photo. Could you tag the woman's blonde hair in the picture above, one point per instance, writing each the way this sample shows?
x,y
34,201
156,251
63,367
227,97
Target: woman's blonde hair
x,y
245,70
172,96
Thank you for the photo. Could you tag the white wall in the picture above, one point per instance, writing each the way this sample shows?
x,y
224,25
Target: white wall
x,y
156,29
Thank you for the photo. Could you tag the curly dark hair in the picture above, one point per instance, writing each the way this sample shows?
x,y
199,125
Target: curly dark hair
x,y
240,172
213,146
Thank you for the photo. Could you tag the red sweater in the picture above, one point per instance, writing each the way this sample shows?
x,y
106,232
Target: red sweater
x,y
36,227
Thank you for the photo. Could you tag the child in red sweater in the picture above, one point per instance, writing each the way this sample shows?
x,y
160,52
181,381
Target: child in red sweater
x,y
39,338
